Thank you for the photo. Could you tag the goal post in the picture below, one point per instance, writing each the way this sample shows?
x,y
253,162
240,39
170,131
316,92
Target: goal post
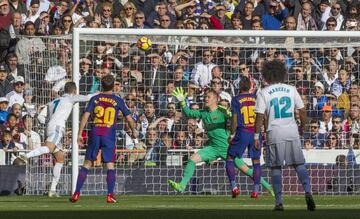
x,y
204,38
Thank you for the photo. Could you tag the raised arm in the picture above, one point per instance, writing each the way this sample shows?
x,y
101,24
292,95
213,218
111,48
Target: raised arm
x,y
180,95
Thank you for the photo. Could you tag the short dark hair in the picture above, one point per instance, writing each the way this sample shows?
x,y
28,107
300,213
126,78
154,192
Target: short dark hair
x,y
10,115
244,84
315,121
213,92
69,87
273,71
107,82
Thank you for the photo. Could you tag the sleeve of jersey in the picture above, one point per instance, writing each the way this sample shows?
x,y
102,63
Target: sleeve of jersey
x,y
90,106
81,98
191,113
124,109
260,105
234,106
299,104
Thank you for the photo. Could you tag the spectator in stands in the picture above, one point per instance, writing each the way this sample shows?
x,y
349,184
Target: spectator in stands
x,y
309,64
352,19
33,12
332,142
5,14
3,110
258,7
331,100
155,75
330,74
330,24
147,117
217,85
29,107
43,25
7,144
317,139
319,11
179,77
5,86
17,95
352,123
344,137
236,22
334,12
139,22
128,13
181,140
247,14
67,24
245,72
305,21
341,84
29,138
308,145
56,12
160,10
17,6
14,68
201,74
221,16
28,46
290,23
16,28
274,16
326,120
166,98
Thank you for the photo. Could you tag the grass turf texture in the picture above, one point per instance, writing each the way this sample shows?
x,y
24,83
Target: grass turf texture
x,y
197,207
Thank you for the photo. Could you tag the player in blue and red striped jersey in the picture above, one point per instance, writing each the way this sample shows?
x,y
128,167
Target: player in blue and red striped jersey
x,y
242,136
104,109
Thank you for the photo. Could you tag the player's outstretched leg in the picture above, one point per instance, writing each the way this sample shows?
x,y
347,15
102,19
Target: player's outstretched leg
x,y
241,165
188,173
55,179
277,184
305,181
79,183
34,153
230,171
110,179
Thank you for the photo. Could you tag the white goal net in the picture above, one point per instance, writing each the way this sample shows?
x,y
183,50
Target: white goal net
x,y
324,66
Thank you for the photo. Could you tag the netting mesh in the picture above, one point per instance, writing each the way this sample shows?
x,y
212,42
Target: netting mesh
x,y
146,79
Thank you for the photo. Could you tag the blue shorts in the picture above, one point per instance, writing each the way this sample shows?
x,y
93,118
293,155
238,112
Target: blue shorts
x,y
107,145
240,142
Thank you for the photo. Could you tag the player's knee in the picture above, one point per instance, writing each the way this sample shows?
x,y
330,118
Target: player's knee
x,y
87,164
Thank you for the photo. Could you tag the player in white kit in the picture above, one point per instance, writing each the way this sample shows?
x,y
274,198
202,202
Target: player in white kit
x,y
58,112
277,104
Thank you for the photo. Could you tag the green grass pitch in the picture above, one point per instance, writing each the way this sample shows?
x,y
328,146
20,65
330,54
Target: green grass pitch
x,y
197,207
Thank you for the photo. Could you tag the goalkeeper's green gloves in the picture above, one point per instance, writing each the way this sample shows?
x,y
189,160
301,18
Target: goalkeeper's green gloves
x,y
225,111
180,95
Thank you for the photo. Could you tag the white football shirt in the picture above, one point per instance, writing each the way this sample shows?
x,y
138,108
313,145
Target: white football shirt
x,y
278,102
59,109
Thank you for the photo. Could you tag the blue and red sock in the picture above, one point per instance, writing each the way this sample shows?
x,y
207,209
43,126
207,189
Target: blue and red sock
x,y
230,170
256,176
110,179
81,178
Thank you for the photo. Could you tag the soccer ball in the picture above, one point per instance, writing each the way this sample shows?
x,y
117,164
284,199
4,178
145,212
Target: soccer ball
x,y
144,43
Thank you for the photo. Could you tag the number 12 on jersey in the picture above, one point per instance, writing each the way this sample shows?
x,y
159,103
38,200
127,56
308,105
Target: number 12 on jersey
x,y
277,104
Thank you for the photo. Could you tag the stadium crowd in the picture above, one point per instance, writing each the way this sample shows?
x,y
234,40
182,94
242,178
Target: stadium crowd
x,y
36,55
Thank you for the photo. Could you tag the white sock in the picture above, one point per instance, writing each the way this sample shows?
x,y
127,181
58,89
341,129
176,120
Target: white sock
x,y
56,176
38,151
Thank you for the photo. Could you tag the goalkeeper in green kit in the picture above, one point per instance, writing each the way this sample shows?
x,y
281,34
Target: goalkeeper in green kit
x,y
215,119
